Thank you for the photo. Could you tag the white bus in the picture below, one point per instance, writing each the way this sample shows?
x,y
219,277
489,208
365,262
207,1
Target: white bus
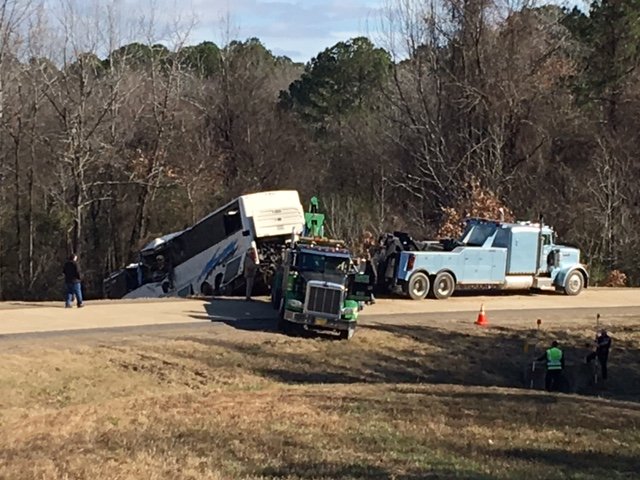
x,y
208,257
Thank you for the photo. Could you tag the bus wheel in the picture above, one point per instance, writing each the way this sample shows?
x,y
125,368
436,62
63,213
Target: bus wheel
x,y
217,282
206,289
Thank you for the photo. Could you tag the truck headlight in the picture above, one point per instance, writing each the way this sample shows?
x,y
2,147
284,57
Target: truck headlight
x,y
348,311
293,303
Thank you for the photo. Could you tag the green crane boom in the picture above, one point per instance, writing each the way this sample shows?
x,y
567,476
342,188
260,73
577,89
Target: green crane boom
x,y
313,220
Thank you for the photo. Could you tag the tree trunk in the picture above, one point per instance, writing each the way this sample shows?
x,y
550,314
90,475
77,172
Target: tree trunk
x,y
17,205
31,279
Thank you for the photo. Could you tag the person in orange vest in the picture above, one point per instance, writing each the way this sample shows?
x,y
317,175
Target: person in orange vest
x,y
555,364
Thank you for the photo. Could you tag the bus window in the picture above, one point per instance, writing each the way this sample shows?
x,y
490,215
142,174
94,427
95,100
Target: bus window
x,y
208,232
232,220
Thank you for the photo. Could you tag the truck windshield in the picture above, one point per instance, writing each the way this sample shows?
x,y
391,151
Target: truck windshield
x,y
476,234
308,262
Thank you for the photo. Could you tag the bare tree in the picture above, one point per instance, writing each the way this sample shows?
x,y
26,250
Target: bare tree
x,y
84,95
12,15
165,83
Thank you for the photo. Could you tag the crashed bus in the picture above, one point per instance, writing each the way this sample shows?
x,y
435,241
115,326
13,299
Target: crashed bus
x,y
208,257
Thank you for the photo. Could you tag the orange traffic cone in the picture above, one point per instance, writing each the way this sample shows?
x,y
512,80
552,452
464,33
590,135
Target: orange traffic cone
x,y
482,318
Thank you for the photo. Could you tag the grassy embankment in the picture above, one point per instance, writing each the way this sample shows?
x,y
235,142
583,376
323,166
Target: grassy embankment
x,y
397,402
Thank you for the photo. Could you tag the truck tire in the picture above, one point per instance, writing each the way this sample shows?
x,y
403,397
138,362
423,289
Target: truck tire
x,y
283,326
418,286
348,333
443,286
276,296
574,283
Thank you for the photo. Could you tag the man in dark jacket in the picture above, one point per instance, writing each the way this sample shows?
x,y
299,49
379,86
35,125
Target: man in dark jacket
x,y
603,344
72,281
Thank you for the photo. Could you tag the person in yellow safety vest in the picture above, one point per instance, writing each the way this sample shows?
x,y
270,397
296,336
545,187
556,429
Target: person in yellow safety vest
x,y
555,364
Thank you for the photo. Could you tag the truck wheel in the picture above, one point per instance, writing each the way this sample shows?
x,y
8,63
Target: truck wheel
x,y
276,296
574,283
283,326
443,286
348,333
418,286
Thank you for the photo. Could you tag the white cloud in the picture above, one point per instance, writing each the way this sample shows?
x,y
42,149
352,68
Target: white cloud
x,y
301,28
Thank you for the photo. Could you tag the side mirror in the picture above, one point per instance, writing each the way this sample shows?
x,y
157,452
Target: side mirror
x,y
246,233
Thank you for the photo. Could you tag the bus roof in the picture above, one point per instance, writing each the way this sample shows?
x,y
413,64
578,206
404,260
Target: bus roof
x,y
159,241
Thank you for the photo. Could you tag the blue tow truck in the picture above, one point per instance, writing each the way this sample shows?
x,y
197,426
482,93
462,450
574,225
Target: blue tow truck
x,y
489,255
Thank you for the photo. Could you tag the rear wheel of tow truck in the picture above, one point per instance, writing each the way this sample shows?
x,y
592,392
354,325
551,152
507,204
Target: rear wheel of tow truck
x,y
348,333
443,286
574,283
418,286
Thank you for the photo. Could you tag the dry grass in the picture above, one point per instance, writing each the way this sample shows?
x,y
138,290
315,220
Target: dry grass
x,y
404,402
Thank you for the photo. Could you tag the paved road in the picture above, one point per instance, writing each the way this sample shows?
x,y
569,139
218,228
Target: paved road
x,y
31,318
230,316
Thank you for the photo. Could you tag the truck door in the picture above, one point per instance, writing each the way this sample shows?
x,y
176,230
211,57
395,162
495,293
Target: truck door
x,y
522,254
547,246
498,252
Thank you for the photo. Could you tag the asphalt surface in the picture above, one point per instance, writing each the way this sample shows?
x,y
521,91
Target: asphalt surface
x,y
235,327
231,317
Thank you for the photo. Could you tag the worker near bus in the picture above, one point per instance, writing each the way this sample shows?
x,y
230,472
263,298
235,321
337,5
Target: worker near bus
x,y
554,358
366,262
250,270
601,352
72,281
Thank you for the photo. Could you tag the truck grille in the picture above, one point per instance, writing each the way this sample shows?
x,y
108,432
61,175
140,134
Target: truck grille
x,y
324,300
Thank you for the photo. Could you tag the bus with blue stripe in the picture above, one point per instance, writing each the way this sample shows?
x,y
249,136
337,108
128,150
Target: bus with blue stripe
x,y
208,257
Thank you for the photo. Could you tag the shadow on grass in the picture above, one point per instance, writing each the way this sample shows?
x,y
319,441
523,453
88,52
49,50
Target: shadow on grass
x,y
499,360
356,471
587,464
252,316
422,354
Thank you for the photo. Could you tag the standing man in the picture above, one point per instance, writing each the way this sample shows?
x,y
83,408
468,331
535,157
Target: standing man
x,y
603,344
250,269
555,364
72,281
365,261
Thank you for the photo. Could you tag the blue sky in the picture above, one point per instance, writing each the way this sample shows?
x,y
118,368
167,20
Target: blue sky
x,y
296,28
299,29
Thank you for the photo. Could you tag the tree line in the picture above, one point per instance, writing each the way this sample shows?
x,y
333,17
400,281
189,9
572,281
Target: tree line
x,y
107,143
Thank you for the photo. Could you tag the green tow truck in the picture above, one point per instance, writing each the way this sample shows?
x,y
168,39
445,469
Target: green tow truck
x,y
317,286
